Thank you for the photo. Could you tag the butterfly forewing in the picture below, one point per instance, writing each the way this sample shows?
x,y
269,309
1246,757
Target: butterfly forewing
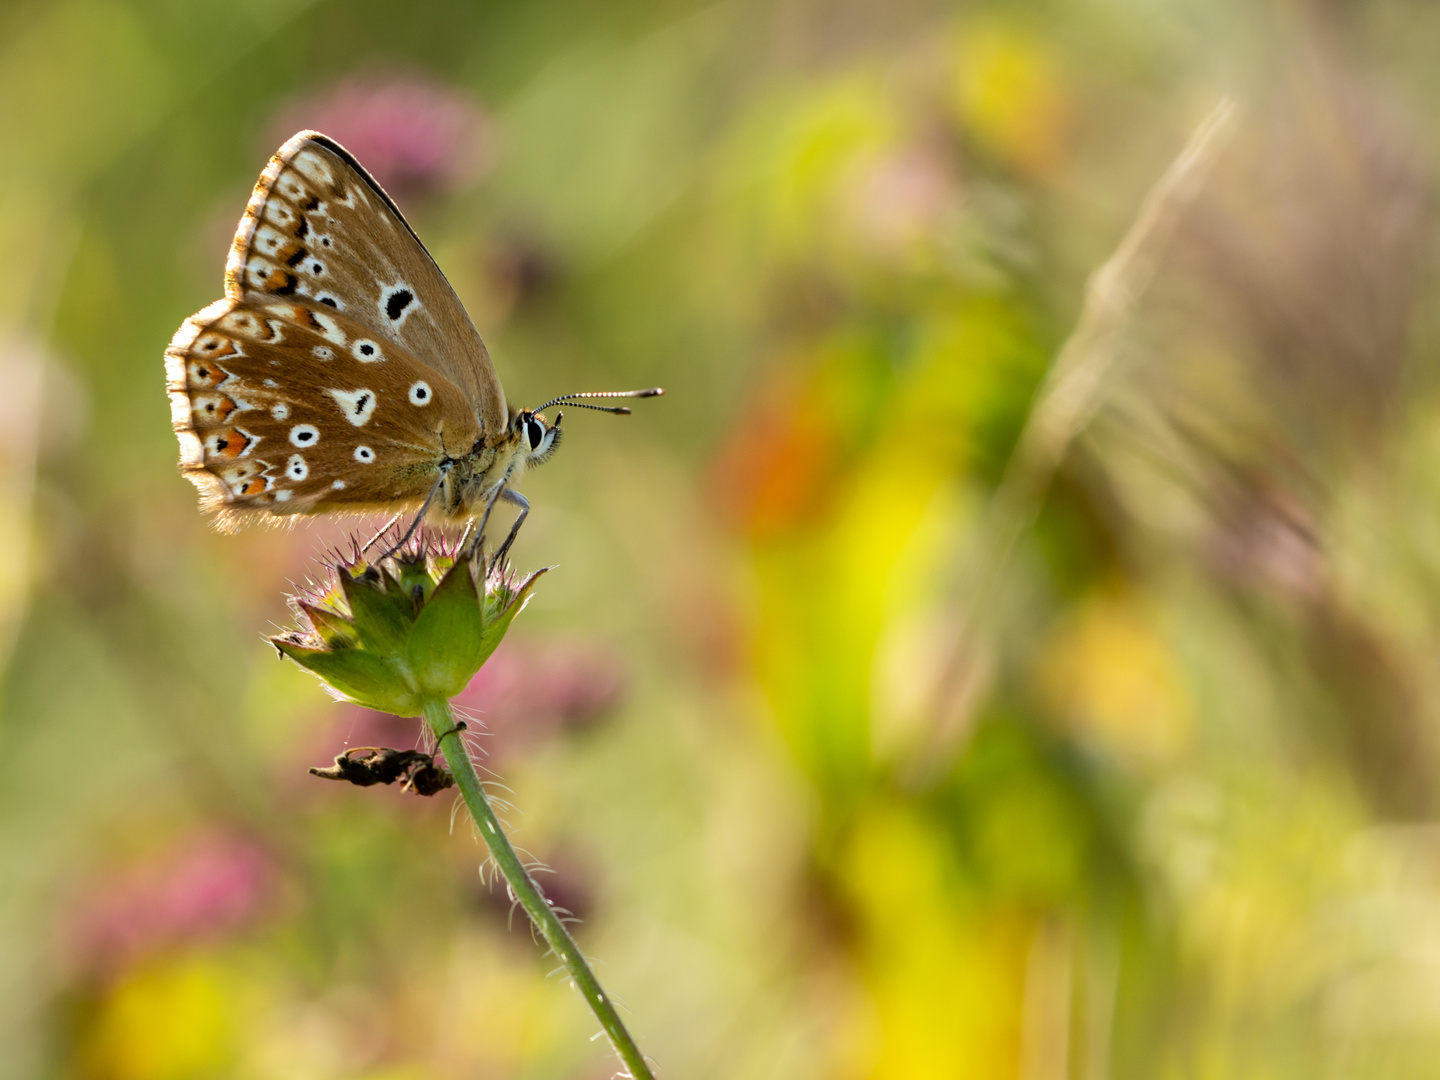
x,y
285,405
319,227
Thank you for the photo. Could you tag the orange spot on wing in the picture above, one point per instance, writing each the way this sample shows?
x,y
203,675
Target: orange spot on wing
x,y
231,444
254,487
204,374
213,408
213,346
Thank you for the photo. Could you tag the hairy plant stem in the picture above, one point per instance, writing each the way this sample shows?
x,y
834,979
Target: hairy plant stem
x,y
524,889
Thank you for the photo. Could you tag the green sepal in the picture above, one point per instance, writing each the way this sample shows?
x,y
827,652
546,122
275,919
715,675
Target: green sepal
x,y
448,634
382,617
358,675
410,576
500,611
334,629
394,635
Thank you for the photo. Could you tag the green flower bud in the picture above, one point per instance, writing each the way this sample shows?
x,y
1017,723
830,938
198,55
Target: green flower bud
x,y
410,628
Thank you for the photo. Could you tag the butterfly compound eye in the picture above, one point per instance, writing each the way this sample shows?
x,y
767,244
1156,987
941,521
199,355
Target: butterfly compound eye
x,y
534,433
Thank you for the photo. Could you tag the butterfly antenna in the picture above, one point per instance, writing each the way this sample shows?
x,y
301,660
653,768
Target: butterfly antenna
x,y
618,410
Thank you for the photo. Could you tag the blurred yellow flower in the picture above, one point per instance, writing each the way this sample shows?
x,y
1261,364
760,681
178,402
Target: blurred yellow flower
x,y
175,1019
1113,678
1011,97
945,973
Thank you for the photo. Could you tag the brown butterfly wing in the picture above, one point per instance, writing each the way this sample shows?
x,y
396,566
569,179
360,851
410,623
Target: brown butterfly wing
x,y
285,406
319,226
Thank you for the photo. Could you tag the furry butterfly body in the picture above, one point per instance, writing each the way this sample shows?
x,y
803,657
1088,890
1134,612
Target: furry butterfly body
x,y
340,372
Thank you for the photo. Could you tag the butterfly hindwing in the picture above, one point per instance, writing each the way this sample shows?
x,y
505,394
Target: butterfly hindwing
x,y
283,405
318,226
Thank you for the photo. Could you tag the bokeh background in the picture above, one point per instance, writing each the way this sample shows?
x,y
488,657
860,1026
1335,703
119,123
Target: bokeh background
x,y
870,737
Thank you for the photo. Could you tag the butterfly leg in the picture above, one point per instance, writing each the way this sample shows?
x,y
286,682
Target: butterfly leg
x,y
419,517
380,535
485,517
510,495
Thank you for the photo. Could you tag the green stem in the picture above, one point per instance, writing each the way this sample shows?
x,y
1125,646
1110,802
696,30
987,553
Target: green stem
x,y
522,885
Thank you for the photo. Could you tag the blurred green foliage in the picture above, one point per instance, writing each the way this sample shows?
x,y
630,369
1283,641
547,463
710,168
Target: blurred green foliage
x,y
1164,808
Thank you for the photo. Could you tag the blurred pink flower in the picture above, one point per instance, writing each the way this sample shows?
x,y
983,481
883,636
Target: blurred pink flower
x,y
901,200
414,135
523,694
521,697
208,884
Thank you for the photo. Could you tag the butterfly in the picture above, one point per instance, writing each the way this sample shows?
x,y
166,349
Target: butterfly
x,y
340,373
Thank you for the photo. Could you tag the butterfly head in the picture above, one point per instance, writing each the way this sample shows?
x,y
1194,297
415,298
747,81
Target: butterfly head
x,y
538,439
